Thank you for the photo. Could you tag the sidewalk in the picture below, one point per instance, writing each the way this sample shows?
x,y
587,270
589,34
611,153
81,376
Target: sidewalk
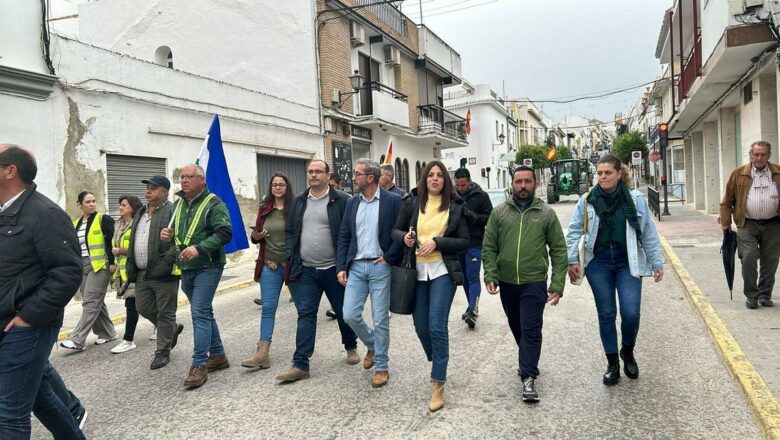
x,y
694,241
234,277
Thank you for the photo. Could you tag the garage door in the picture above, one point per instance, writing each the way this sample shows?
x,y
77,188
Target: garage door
x,y
124,175
295,169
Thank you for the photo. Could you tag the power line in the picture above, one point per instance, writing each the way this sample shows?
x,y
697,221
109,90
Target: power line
x,y
590,97
459,9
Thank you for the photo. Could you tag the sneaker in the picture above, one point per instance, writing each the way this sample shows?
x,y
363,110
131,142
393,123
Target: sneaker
x,y
471,319
70,345
159,361
123,347
101,341
330,314
529,390
258,301
81,418
154,335
465,314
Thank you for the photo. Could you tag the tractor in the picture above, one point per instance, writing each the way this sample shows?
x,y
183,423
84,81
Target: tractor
x,y
570,176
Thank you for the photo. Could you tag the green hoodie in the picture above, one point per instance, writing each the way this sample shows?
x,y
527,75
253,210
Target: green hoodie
x,y
211,234
515,246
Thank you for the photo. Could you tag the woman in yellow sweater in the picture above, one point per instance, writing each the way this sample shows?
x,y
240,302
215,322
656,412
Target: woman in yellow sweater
x,y
440,233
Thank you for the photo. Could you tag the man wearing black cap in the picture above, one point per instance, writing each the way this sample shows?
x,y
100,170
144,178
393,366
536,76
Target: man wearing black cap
x,y
150,265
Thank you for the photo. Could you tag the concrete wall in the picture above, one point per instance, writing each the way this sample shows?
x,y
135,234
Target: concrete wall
x,y
711,167
714,18
698,170
728,145
20,45
750,117
690,186
263,45
768,94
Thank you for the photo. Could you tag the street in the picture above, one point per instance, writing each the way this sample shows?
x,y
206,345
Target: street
x,y
684,390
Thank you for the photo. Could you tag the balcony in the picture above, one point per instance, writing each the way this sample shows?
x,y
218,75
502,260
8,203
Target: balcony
x,y
438,56
379,106
447,129
387,13
690,71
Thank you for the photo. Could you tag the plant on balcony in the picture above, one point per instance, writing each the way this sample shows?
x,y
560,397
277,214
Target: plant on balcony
x,y
624,144
462,130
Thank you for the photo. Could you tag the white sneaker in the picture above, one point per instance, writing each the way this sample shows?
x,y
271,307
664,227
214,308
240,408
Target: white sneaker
x,y
101,341
153,337
123,347
70,345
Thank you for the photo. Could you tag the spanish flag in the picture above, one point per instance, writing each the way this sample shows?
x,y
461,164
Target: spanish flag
x,y
551,152
389,155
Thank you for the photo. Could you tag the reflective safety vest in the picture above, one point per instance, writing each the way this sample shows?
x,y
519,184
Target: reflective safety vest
x,y
193,226
121,260
96,244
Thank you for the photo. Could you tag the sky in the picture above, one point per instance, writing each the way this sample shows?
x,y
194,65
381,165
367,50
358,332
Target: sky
x,y
547,49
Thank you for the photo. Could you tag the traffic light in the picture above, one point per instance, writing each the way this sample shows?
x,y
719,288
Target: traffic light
x,y
483,172
463,162
487,169
663,135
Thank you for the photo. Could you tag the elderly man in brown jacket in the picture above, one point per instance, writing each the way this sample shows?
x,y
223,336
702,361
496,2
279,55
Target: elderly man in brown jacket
x,y
751,199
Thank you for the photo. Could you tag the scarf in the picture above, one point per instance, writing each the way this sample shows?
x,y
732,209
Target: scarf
x,y
119,230
606,204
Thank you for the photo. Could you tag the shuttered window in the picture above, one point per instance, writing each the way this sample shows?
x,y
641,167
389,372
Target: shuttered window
x,y
124,175
294,169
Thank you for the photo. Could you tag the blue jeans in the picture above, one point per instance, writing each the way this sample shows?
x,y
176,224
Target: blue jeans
x,y
471,262
24,353
607,272
48,411
271,282
307,293
199,286
366,277
431,313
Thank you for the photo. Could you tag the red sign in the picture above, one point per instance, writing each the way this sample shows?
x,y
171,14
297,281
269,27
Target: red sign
x,y
655,156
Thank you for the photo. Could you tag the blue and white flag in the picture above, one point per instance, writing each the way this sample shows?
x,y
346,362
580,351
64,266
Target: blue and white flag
x,y
212,159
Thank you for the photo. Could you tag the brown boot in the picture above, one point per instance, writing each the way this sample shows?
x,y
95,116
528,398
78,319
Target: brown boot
x,y
261,359
437,397
368,361
196,377
380,379
292,375
353,358
216,363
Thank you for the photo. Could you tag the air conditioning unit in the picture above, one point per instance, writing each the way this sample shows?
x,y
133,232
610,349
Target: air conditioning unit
x,y
357,35
753,3
392,55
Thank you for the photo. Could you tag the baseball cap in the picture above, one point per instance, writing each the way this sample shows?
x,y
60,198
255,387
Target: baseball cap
x,y
158,181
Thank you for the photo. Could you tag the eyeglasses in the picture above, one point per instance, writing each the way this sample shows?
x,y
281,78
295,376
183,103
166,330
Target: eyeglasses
x,y
189,177
357,174
313,172
279,185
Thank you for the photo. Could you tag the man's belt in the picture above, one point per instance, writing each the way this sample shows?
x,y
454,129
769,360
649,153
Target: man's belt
x,y
764,221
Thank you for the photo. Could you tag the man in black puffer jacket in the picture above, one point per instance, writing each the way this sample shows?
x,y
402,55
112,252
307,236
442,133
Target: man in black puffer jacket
x,y
41,261
476,210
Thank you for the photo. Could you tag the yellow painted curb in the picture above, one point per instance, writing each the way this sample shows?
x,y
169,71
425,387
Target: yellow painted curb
x,y
759,397
118,319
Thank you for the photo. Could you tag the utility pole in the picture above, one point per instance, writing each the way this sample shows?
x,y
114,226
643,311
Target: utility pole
x,y
421,14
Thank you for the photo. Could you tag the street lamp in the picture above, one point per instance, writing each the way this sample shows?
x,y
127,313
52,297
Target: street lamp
x,y
356,81
500,139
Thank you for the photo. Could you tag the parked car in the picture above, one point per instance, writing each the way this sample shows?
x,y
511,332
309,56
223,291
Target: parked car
x,y
497,195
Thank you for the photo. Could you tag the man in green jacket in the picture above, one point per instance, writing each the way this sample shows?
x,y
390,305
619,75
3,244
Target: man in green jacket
x,y
521,237
200,229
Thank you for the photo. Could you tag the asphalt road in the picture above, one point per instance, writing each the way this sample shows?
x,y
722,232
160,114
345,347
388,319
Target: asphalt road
x,y
684,390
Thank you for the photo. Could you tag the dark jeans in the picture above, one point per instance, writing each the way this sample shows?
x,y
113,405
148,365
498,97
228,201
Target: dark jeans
x,y
60,425
132,319
471,262
24,354
608,272
307,293
759,241
433,300
524,308
199,286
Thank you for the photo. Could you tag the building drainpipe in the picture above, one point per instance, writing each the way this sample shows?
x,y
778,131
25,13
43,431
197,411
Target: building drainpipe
x,y
319,77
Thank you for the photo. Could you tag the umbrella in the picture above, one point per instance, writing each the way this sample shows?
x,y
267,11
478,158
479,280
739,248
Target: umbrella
x,y
727,250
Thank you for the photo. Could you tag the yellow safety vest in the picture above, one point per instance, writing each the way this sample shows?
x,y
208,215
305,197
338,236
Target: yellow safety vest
x,y
177,222
96,244
121,260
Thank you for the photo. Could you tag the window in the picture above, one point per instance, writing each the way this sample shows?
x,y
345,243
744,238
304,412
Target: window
x,y
164,57
406,176
747,93
399,178
418,171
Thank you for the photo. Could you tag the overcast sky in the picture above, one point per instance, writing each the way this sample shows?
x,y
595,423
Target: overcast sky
x,y
552,48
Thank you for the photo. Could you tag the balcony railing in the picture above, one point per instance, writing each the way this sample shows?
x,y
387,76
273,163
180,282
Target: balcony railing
x,y
367,96
383,102
435,118
690,71
388,13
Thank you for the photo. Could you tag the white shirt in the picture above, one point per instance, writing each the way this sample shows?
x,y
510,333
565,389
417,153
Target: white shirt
x,y
10,201
763,197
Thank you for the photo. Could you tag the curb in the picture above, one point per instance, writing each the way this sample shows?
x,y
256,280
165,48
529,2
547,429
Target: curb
x,y
119,319
760,399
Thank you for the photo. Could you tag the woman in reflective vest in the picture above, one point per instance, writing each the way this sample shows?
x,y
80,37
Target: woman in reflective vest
x,y
128,206
95,231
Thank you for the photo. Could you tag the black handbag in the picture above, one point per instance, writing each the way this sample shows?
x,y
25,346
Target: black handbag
x,y
403,285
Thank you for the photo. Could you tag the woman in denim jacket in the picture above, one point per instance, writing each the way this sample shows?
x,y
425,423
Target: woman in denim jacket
x,y
622,246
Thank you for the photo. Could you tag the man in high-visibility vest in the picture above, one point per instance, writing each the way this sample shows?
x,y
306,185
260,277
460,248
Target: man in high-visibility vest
x,y
151,266
200,229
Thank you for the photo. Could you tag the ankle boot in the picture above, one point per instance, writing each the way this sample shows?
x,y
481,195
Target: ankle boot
x,y
261,359
437,397
630,366
612,376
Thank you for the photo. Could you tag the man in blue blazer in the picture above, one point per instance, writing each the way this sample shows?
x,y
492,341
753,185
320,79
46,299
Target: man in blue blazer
x,y
365,253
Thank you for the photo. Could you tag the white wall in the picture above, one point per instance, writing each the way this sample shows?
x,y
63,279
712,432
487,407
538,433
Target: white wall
x,y
20,35
263,45
714,18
